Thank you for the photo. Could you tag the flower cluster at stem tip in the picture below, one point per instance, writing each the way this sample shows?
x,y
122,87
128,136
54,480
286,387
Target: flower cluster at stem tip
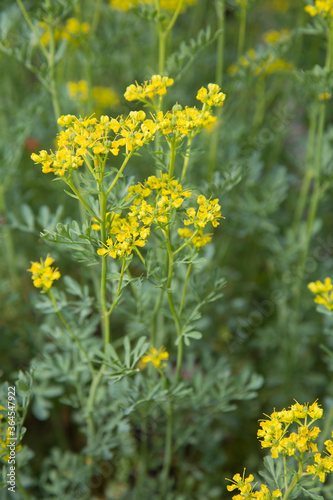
x,y
85,138
324,293
43,275
322,8
275,434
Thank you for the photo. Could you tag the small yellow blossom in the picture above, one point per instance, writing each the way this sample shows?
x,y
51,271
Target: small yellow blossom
x,y
43,274
325,96
324,293
322,8
208,211
211,96
157,86
246,489
273,37
156,356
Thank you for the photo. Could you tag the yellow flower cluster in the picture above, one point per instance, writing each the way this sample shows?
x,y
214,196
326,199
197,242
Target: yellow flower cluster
x,y
322,465
156,356
157,86
275,435
124,235
324,292
43,275
163,195
274,37
126,5
179,122
103,96
259,66
198,241
208,211
90,136
246,489
72,30
211,96
322,8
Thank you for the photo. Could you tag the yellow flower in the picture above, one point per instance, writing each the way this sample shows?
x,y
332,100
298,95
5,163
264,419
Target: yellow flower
x,y
211,96
322,8
156,356
43,274
324,291
273,37
157,86
324,96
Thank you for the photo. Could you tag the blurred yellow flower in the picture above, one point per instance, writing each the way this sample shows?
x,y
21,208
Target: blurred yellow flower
x,y
156,356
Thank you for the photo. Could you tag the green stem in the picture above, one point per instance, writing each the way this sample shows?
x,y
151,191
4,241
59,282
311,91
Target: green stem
x,y
173,310
70,183
120,171
296,479
186,242
242,28
167,451
32,27
186,158
309,169
104,308
118,289
172,158
214,139
73,335
8,244
184,290
51,65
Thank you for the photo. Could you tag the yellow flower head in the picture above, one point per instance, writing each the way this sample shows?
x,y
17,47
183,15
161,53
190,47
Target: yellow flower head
x,y
157,86
125,234
211,96
156,356
324,291
323,8
43,274
275,433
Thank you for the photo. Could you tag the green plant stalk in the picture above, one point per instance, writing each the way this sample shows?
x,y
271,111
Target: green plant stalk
x,y
260,101
167,451
103,300
214,139
70,331
32,27
118,289
120,171
296,479
301,203
9,246
186,158
49,56
172,158
242,29
70,183
184,290
314,201
53,83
